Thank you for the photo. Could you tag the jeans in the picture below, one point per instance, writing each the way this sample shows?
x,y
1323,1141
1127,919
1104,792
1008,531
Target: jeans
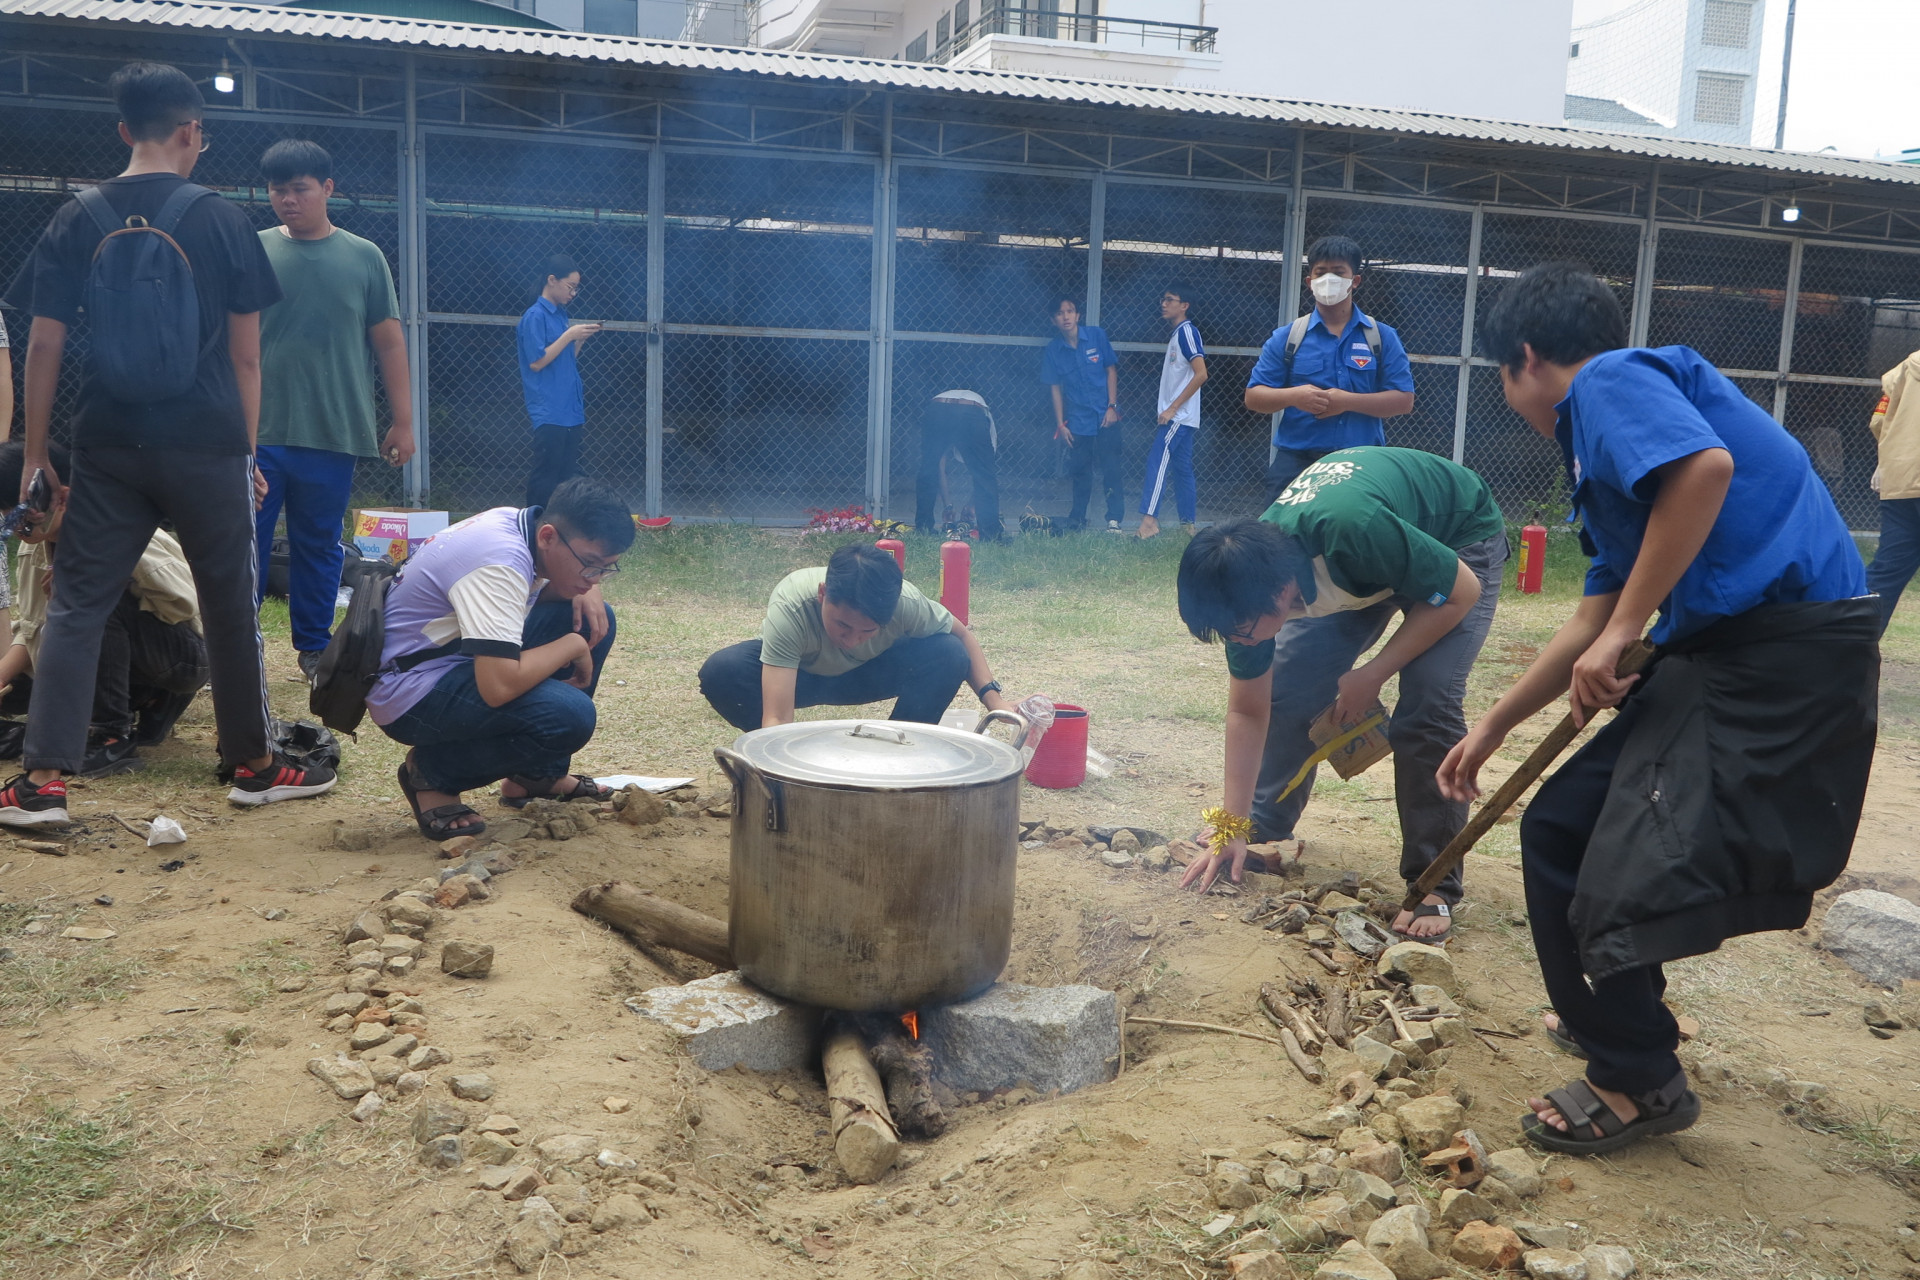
x,y
1103,449
1899,555
1310,657
118,498
922,674
315,486
1285,465
1628,1033
963,427
1170,458
556,459
461,744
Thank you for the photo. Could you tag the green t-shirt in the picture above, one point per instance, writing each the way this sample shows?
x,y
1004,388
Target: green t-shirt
x,y
316,368
795,635
1379,523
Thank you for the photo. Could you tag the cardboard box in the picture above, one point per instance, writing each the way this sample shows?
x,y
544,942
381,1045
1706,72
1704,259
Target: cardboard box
x,y
394,533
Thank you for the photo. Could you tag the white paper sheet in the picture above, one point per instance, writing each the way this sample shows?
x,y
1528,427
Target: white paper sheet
x,y
619,781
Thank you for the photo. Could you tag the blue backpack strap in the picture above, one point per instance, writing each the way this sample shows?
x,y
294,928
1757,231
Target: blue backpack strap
x,y
1296,334
176,206
99,210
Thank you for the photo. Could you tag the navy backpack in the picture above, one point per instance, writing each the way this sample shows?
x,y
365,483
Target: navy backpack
x,y
141,301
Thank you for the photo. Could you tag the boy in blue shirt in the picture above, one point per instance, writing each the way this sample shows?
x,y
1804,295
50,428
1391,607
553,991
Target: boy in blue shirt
x,y
1080,367
1347,373
1726,792
549,343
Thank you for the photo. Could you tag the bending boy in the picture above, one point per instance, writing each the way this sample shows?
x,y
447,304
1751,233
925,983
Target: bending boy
x,y
1299,594
496,637
1727,790
852,632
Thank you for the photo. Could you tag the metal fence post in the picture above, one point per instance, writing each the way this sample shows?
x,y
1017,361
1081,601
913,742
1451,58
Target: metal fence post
x,y
1096,244
413,292
656,313
1647,264
1788,315
1296,249
880,321
1466,336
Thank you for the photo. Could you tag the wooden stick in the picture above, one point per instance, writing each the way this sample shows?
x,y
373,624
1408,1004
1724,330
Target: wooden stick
x,y
1326,962
1204,1026
1339,1028
656,922
1632,660
1311,1068
1399,1023
864,1138
1270,999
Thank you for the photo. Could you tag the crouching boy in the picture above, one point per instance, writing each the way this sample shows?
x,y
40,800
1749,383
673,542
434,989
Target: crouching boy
x,y
852,632
496,637
1727,790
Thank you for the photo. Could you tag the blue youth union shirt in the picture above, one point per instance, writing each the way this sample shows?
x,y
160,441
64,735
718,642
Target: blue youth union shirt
x,y
1341,362
1778,539
554,394
1080,371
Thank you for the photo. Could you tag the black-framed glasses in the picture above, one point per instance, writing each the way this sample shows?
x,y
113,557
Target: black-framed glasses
x,y
592,572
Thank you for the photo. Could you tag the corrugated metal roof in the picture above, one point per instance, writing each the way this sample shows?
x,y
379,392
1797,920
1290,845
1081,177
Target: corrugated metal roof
x,y
274,20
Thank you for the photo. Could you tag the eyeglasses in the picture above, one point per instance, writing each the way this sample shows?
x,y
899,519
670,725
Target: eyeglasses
x,y
592,572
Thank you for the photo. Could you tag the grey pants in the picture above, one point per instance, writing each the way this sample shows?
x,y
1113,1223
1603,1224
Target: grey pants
x,y
1309,659
119,498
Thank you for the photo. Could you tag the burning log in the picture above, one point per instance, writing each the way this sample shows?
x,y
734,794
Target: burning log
x,y
864,1137
656,922
905,1063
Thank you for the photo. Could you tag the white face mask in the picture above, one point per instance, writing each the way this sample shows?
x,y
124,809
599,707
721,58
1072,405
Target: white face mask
x,y
1331,290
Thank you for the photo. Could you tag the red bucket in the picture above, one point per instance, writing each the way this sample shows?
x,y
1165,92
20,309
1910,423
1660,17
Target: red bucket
x,y
1060,761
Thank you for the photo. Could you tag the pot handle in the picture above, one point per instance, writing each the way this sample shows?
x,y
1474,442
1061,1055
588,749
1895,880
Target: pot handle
x,y
1003,716
738,768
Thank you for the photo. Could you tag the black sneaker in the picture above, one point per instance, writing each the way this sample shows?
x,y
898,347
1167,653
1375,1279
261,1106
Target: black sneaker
x,y
282,780
153,725
13,739
108,756
309,663
24,805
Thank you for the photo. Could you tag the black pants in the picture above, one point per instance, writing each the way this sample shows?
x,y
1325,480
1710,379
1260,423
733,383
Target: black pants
x,y
1628,1033
1104,450
1285,466
922,674
556,459
963,427
118,499
144,662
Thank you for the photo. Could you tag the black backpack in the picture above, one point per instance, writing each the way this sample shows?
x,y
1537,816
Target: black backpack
x,y
351,661
141,301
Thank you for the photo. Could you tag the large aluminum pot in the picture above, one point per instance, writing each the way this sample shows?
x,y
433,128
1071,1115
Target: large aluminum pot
x,y
873,860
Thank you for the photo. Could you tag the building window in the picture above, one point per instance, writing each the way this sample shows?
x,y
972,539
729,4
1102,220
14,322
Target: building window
x,y
917,49
1719,99
942,32
1575,51
960,17
1729,24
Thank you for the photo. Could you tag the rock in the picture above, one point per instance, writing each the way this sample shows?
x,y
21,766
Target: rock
x,y
498,1122
1050,1038
1233,1193
1360,1187
409,911
495,1178
1125,841
1875,933
636,806
522,1182
1882,1014
459,846
1264,1264
443,1152
1458,1208
368,1034
1352,1262
1486,1247
491,1148
1608,1262
1115,858
407,1083
1282,1177
1543,1235
567,1148
574,1203
1381,1061
1335,902
473,1087
287,986
368,924
344,1002
1416,962
367,1108
532,1238
611,1159
473,886
1463,1163
1405,1225
723,1022
1554,1264
433,1118
1295,1232
1414,1262
1429,1123
399,1046
1386,1126
427,1055
1319,1176
1515,1168
394,945
400,966
360,981
385,1070
1500,1195
620,1212
347,1078
1435,998
1378,1159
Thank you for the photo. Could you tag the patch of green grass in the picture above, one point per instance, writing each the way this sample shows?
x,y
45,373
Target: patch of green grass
x,y
51,1162
38,982
1881,1138
259,974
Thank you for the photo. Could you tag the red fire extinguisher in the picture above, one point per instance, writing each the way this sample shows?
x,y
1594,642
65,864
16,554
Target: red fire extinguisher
x,y
1533,558
897,547
956,571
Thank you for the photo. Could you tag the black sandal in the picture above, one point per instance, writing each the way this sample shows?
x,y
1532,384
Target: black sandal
x,y
1561,1040
437,823
1668,1109
1424,910
542,789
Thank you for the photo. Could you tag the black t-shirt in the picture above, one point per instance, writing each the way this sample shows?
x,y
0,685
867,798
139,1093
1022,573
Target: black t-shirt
x,y
231,274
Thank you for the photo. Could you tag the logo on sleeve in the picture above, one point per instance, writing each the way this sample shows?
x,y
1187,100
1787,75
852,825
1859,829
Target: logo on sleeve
x,y
1437,598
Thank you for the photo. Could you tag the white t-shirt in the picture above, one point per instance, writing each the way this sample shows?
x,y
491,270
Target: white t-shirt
x,y
1183,348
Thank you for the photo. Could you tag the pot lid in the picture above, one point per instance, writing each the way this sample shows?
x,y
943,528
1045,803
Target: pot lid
x,y
881,755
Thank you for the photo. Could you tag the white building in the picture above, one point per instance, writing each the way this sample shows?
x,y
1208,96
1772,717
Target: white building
x,y
1667,68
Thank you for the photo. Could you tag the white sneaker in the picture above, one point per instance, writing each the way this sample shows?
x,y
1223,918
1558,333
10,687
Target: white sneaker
x,y
1113,526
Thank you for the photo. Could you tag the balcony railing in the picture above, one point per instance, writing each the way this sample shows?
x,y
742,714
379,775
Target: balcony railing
x,y
1031,19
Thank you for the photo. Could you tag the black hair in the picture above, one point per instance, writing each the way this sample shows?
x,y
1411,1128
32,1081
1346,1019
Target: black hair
x,y
1230,575
1561,310
591,509
13,460
292,158
154,99
1335,249
865,579
1183,291
1063,300
558,267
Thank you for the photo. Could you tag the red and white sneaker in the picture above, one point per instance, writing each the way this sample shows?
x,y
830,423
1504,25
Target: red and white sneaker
x,y
24,805
281,780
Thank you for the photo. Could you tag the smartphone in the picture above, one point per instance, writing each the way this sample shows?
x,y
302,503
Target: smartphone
x,y
39,493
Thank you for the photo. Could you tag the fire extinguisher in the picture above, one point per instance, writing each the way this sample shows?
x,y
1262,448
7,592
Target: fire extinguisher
x,y
1533,558
956,578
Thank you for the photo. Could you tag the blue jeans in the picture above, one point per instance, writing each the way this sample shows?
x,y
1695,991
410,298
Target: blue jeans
x,y
1899,555
461,744
1170,460
315,486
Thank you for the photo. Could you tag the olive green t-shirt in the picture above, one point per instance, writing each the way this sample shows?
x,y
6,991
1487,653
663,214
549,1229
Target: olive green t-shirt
x,y
316,367
795,635
1379,523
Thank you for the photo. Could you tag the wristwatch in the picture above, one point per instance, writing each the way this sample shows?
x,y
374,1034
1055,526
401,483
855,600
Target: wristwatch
x,y
991,686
